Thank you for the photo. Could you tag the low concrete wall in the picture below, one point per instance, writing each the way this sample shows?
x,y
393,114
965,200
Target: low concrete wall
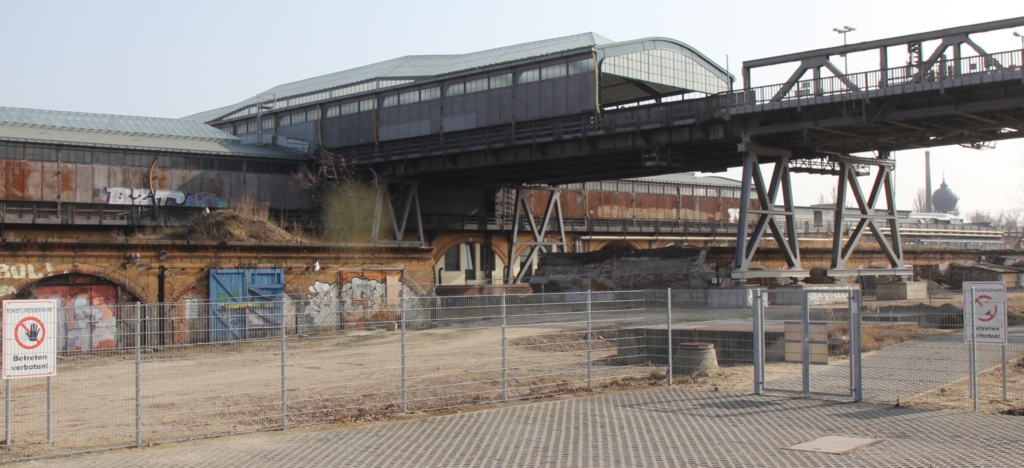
x,y
901,290
482,289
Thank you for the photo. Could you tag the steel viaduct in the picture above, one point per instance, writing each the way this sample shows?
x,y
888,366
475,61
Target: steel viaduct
x,y
811,123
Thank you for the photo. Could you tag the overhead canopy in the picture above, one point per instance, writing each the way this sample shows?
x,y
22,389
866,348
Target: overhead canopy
x,y
652,68
631,71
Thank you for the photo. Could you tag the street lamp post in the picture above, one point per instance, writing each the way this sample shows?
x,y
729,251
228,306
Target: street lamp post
x,y
1021,36
844,30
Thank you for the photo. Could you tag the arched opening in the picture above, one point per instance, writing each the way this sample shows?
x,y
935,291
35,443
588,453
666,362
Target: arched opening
x,y
618,246
90,307
467,264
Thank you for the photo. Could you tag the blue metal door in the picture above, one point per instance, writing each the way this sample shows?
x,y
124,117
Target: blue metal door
x,y
245,303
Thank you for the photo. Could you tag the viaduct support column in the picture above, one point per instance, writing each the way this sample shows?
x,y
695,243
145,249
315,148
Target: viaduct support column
x,y
767,212
523,209
867,216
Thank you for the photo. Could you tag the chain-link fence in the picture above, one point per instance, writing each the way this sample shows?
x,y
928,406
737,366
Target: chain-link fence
x,y
131,375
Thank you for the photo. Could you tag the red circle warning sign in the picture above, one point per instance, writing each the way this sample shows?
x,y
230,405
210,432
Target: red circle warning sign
x,y
29,333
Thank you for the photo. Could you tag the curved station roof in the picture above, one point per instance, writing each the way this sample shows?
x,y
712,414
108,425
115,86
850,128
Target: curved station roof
x,y
630,71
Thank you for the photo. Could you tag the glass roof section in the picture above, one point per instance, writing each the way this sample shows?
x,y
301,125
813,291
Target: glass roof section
x,y
417,66
176,128
663,66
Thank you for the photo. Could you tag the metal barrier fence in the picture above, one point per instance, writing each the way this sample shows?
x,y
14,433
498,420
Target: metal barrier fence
x,y
168,372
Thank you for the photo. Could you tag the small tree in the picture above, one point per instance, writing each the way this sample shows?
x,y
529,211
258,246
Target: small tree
x,y
921,201
348,201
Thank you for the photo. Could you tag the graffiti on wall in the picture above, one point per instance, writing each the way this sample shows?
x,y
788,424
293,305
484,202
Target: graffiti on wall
x,y
90,322
362,299
323,302
24,270
142,196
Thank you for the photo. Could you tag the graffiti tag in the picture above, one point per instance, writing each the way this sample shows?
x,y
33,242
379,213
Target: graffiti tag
x,y
24,270
146,197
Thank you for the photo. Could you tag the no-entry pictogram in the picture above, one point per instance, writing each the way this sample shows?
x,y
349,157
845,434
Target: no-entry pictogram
x,y
986,302
30,333
29,350
985,308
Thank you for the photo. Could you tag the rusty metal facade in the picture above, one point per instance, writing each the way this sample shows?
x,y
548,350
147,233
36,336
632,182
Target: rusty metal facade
x,y
643,200
38,173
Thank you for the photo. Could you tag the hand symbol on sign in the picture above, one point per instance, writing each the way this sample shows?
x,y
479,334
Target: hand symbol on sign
x,y
33,332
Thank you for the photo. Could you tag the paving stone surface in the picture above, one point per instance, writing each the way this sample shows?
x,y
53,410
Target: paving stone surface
x,y
655,427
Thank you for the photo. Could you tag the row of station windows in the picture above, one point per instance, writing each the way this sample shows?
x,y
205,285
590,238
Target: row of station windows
x,y
120,158
469,86
636,186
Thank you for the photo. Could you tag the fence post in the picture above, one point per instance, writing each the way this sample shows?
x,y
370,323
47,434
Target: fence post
x,y
284,380
758,347
138,374
974,353
504,349
590,360
805,343
405,396
856,371
668,333
7,412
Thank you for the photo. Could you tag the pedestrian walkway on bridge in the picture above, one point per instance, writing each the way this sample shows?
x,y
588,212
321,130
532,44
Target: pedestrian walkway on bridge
x,y
658,427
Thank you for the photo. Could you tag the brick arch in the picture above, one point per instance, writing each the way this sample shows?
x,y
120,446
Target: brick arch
x,y
176,290
440,250
123,277
601,245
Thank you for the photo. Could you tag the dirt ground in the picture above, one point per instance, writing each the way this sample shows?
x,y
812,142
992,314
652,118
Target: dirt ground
x,y
203,391
350,377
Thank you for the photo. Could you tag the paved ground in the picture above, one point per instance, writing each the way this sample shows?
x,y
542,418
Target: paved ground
x,y
656,427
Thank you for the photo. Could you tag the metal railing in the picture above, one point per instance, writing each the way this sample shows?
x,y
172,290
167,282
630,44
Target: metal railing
x,y
128,376
632,118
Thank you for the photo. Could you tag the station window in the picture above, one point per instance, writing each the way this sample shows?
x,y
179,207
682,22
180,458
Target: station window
x,y
581,66
552,71
347,108
479,84
313,115
285,120
77,156
229,165
366,105
455,89
40,154
268,123
409,97
528,76
298,117
389,100
430,93
500,81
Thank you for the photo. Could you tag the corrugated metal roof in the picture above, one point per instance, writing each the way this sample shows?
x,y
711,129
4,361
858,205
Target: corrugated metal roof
x,y
124,124
691,178
415,66
71,136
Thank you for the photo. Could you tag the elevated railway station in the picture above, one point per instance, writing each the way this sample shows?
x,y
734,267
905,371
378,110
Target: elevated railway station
x,y
485,160
583,108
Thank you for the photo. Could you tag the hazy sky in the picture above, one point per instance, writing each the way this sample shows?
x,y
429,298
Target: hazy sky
x,y
171,59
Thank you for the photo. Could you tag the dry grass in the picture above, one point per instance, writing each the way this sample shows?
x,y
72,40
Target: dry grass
x,y
876,337
561,342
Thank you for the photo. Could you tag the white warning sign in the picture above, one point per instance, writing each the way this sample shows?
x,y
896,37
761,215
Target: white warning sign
x,y
988,302
30,338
